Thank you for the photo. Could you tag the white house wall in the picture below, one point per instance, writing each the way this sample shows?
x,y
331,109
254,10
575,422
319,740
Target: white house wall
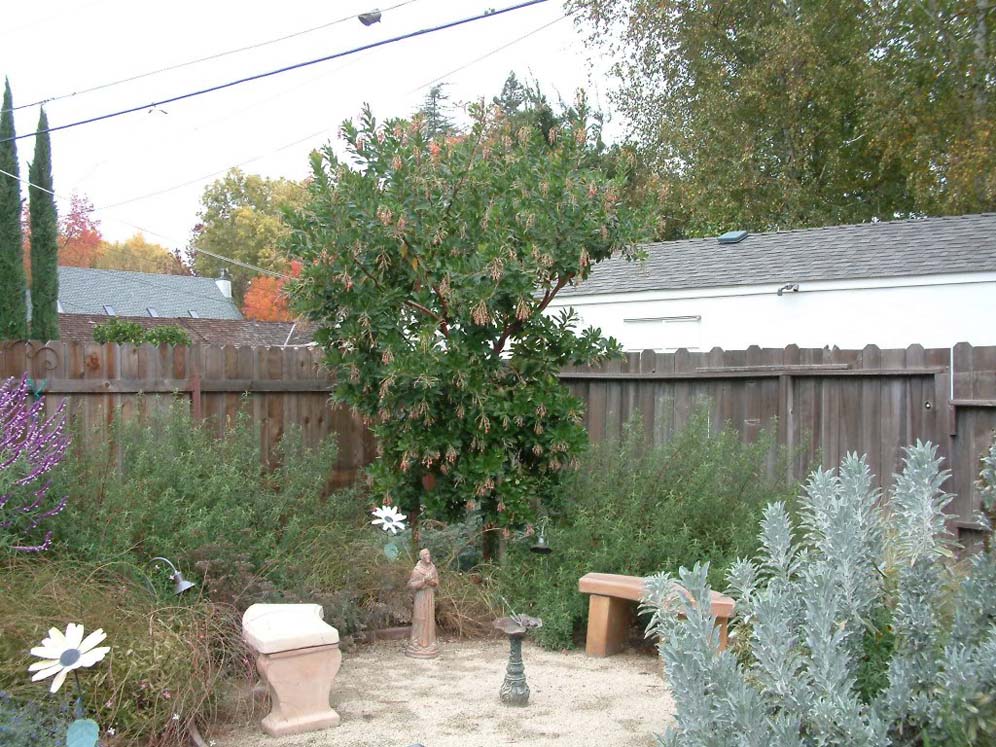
x,y
934,311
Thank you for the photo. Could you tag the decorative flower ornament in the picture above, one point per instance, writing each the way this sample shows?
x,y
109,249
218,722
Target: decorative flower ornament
x,y
61,653
390,519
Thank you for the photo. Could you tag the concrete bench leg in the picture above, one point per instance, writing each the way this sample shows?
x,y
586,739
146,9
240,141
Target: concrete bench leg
x,y
609,621
723,623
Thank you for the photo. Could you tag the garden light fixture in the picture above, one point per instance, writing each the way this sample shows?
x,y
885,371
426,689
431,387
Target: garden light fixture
x,y
541,548
180,584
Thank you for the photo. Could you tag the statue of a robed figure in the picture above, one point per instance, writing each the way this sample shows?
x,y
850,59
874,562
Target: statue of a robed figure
x,y
423,581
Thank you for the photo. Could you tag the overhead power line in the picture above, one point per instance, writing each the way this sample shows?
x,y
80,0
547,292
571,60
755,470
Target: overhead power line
x,y
288,68
199,60
197,180
311,135
485,56
220,257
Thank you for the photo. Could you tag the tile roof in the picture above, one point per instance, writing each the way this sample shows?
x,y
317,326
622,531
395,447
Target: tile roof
x,y
240,332
85,291
925,246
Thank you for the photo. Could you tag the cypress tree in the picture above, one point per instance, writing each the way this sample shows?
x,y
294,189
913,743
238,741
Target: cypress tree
x,y
44,239
13,305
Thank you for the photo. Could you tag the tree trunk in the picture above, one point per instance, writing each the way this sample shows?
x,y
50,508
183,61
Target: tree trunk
x,y
489,543
416,530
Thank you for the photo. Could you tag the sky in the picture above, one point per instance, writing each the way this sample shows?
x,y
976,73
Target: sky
x,y
146,171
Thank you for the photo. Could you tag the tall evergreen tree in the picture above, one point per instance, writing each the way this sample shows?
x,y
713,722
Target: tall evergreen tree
x,y
13,305
435,113
44,239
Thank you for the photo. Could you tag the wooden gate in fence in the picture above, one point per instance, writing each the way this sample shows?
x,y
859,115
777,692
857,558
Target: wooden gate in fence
x,y
823,402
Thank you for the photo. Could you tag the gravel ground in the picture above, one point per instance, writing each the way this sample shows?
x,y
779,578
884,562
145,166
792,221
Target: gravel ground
x,y
388,700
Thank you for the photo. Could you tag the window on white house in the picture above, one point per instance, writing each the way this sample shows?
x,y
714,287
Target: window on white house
x,y
663,333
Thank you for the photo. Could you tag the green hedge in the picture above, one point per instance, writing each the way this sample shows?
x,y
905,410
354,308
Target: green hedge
x,y
636,511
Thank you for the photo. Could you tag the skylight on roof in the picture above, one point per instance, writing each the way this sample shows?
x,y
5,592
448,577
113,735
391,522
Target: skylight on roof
x,y
152,311
194,314
109,310
732,237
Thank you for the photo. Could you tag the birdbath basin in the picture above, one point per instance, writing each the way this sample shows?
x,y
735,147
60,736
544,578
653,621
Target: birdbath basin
x,y
514,690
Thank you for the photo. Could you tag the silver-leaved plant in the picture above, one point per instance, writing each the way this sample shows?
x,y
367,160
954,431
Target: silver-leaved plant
x,y
855,591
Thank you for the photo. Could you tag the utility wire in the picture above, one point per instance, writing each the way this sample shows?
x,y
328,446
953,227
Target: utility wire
x,y
201,178
179,136
494,51
309,136
199,60
219,257
288,68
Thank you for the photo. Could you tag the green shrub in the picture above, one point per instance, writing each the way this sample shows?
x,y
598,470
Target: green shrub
x,y
168,334
167,485
121,332
244,531
857,627
633,510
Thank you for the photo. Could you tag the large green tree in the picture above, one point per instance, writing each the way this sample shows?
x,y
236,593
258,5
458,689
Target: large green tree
x,y
764,115
933,105
13,302
242,218
642,190
428,266
44,239
138,254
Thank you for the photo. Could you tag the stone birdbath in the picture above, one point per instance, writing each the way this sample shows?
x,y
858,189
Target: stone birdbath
x,y
514,690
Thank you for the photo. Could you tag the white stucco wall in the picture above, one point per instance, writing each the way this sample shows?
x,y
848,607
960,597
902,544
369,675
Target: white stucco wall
x,y
934,311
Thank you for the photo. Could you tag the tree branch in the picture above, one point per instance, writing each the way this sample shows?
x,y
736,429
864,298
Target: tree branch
x,y
516,326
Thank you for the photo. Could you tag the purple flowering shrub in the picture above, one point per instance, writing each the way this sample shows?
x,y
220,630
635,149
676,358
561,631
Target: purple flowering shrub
x,y
31,445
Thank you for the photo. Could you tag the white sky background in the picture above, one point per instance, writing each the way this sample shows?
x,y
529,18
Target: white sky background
x,y
268,126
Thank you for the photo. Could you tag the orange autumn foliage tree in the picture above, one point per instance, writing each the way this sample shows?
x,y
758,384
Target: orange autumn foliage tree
x,y
266,301
80,241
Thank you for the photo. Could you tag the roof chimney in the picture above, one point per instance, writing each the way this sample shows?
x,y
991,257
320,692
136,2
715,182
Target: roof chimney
x,y
224,283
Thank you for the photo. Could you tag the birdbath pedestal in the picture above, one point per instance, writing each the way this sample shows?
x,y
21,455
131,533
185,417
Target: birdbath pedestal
x,y
514,690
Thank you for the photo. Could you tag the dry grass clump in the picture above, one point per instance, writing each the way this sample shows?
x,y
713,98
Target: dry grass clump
x,y
169,661
466,605
361,588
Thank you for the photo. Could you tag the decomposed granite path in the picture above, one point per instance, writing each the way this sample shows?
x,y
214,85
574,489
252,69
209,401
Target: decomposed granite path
x,y
388,700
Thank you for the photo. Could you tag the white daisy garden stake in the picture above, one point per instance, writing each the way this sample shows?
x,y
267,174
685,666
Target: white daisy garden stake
x,y
390,520
62,653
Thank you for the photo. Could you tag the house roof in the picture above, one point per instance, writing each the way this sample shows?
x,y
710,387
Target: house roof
x,y
86,291
925,246
240,332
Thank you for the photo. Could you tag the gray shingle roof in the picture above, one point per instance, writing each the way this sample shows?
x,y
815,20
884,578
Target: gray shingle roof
x,y
85,291
926,246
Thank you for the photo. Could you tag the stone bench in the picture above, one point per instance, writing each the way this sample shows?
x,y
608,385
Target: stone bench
x,y
611,608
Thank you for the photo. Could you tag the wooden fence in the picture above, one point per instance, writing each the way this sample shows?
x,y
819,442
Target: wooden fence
x,y
823,402
276,387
